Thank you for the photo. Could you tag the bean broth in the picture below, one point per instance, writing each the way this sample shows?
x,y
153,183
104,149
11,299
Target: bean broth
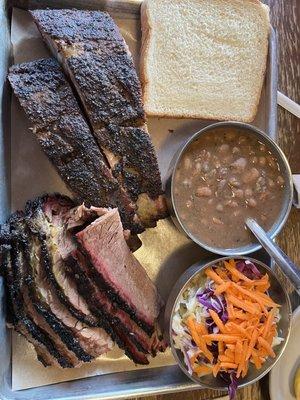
x,y
223,177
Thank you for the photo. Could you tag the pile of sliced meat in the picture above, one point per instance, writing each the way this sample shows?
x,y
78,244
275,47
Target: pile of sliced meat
x,y
73,286
98,140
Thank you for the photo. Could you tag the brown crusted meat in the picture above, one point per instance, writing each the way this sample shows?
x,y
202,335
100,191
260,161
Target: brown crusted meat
x,y
96,58
65,137
127,281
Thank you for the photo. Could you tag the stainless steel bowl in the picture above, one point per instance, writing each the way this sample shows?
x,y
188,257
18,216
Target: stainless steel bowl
x,y
286,173
277,293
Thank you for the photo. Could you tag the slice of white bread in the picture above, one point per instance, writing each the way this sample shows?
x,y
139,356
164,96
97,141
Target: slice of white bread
x,y
203,58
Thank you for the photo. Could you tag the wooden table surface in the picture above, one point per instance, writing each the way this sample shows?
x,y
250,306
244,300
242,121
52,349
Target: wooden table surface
x,y
285,18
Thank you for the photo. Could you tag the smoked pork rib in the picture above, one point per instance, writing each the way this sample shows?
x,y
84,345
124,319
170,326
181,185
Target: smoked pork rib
x,y
65,137
97,60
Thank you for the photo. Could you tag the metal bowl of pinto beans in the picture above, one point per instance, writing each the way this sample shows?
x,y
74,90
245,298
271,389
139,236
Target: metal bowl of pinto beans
x,y
224,174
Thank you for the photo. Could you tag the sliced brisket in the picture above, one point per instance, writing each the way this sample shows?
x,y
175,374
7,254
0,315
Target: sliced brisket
x,y
93,340
65,137
22,320
96,58
106,311
125,280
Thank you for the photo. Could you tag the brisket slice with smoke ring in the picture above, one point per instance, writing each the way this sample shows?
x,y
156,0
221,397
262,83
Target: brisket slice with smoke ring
x,y
112,325
24,321
137,335
51,215
26,251
48,214
104,243
94,341
44,347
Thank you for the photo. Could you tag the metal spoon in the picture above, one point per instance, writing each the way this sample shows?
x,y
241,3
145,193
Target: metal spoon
x,y
281,259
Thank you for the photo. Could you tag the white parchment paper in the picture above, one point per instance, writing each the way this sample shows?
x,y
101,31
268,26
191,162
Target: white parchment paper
x,y
165,253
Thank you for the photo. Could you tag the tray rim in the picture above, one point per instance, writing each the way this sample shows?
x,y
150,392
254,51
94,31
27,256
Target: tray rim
x,y
88,388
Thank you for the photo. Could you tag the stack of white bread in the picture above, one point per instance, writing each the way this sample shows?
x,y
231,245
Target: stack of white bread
x,y
204,58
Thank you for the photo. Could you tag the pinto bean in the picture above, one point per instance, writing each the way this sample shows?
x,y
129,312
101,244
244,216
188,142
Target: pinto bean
x,y
252,202
262,161
236,150
239,164
187,162
280,180
224,148
217,221
251,176
233,181
203,191
219,207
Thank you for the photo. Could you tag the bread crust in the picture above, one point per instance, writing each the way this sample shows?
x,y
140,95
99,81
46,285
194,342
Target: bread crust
x,y
147,28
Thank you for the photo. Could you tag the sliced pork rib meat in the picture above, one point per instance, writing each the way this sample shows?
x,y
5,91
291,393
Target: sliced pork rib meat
x,y
65,137
122,274
95,56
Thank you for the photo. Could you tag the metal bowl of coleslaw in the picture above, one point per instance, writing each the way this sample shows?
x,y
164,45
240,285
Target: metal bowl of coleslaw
x,y
184,294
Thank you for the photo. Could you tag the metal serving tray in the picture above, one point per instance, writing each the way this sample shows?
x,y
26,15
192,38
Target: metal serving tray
x,y
125,384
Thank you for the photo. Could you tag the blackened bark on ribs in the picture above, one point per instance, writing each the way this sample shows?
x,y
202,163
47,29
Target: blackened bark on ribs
x,y
65,137
101,68
97,58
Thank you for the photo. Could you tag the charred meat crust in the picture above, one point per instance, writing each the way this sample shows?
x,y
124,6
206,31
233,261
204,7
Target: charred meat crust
x,y
32,208
98,58
65,137
117,315
135,159
110,324
114,297
77,25
21,244
101,69
22,322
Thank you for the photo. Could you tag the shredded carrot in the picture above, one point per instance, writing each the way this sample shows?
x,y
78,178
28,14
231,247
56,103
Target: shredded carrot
x,y
224,338
235,272
256,359
238,328
266,346
214,276
222,288
228,365
252,343
203,369
201,329
238,352
216,369
224,358
238,303
218,321
220,347
248,334
198,339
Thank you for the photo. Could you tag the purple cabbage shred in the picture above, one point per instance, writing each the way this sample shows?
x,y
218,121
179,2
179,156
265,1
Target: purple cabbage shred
x,y
249,269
